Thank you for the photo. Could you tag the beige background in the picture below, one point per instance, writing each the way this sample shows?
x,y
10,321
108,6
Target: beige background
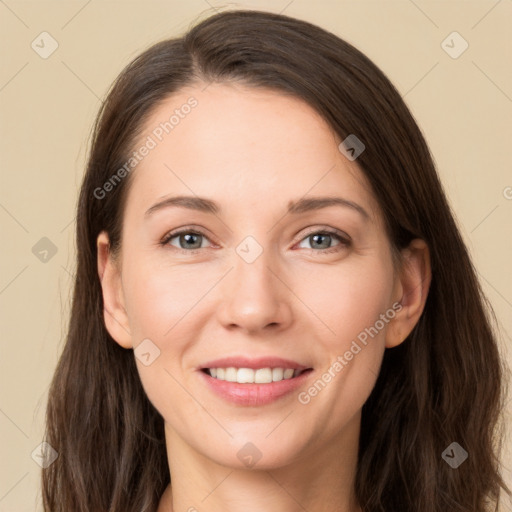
x,y
463,105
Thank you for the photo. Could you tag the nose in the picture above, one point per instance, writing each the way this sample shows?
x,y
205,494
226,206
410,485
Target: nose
x,y
255,298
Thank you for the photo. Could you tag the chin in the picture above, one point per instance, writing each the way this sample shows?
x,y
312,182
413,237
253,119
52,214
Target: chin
x,y
256,453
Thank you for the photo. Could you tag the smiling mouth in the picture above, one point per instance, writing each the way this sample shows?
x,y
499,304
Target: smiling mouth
x,y
254,376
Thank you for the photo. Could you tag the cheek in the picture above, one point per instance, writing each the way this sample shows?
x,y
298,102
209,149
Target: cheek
x,y
160,300
351,299
351,305
160,306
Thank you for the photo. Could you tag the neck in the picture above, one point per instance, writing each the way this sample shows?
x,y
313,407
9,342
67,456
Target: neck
x,y
319,480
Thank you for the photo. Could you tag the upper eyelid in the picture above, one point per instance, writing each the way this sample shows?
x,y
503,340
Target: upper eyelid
x,y
328,230
198,231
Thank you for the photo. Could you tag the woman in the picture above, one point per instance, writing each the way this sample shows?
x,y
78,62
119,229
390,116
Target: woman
x,y
217,357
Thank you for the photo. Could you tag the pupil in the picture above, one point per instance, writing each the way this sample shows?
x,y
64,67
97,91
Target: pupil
x,y
188,236
321,236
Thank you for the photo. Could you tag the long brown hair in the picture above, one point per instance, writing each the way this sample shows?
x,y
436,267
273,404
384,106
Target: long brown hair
x,y
444,384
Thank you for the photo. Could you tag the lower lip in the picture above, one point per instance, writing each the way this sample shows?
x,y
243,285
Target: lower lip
x,y
254,394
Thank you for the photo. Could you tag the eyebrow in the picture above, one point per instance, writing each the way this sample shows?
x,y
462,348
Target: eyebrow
x,y
302,205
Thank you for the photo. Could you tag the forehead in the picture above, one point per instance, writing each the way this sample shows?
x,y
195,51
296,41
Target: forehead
x,y
245,145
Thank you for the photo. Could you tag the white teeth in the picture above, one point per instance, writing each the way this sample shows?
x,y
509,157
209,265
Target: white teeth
x,y
245,375
230,374
288,373
262,376
277,374
249,376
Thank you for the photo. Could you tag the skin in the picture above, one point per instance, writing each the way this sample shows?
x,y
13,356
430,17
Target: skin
x,y
252,151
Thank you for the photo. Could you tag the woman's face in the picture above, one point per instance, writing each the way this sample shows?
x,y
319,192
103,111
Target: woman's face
x,y
260,274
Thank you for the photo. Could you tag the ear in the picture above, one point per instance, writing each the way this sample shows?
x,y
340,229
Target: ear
x,y
413,284
114,312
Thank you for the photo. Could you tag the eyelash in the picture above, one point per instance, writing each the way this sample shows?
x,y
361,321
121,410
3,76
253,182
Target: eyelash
x,y
344,242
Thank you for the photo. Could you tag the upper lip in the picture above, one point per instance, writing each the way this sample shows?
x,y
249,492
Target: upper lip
x,y
260,362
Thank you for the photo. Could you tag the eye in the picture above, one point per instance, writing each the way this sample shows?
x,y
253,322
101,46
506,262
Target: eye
x,y
188,240
322,239
191,241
